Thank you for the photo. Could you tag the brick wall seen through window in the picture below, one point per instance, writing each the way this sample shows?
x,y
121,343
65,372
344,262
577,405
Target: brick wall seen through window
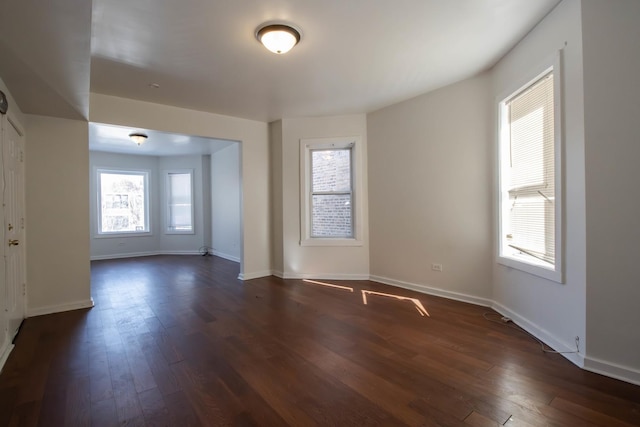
x,y
332,198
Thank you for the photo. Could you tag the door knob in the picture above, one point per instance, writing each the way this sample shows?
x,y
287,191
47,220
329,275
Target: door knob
x,y
14,242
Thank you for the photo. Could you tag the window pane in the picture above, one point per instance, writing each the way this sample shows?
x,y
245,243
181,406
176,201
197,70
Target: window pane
x,y
180,218
179,198
529,226
122,202
528,171
331,170
331,216
180,188
532,134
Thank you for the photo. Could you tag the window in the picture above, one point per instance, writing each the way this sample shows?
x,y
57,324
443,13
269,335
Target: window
x,y
530,198
123,200
179,191
331,193
330,200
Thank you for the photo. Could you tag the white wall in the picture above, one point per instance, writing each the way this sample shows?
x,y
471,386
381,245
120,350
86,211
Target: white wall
x,y
611,43
225,202
555,312
116,247
430,178
206,200
14,111
312,261
275,159
57,202
254,166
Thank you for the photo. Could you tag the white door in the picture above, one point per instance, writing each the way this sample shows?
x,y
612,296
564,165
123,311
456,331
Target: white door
x,y
13,203
4,320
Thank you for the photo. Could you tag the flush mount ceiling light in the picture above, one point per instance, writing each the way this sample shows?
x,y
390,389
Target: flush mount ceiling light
x,y
138,138
278,38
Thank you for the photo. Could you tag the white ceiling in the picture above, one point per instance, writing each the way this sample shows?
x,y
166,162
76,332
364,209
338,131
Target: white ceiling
x,y
355,56
115,139
45,55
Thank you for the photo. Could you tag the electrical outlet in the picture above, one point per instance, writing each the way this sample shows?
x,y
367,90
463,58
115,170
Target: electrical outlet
x,y
436,267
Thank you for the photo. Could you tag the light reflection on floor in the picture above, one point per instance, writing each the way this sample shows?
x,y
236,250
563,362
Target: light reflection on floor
x,y
423,312
346,288
417,303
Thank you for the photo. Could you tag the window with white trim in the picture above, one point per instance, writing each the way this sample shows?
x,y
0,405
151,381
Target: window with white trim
x,y
530,185
123,202
179,196
330,199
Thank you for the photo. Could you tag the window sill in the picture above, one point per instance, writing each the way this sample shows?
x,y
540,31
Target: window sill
x,y
535,267
121,235
328,242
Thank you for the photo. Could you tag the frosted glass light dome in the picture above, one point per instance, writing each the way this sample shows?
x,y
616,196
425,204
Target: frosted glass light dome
x,y
278,38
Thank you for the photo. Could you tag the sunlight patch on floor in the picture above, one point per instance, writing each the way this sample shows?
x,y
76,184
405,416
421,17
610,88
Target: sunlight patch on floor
x,y
423,312
346,288
416,302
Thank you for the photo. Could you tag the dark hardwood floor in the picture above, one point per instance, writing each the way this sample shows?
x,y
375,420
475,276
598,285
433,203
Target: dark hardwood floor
x,y
178,340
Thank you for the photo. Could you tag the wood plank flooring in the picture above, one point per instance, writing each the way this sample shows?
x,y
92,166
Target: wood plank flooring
x,y
179,341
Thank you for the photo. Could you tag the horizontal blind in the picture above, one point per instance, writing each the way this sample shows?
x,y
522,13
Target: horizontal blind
x,y
179,195
532,175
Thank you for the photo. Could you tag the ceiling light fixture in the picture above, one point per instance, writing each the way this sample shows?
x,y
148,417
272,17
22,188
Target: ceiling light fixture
x,y
138,138
278,38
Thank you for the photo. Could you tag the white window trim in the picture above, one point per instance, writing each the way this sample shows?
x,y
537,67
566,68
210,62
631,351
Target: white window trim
x,y
99,234
527,264
166,174
308,144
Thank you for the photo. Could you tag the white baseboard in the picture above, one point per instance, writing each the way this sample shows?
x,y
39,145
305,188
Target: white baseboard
x,y
40,311
330,276
609,369
4,355
254,275
619,372
141,254
433,291
179,253
225,256
127,255
283,275
152,253
542,334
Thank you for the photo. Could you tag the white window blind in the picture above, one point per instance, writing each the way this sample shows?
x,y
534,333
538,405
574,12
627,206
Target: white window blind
x,y
180,210
530,177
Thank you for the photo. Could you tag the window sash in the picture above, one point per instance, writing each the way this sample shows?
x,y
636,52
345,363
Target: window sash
x,y
122,211
307,146
325,195
179,202
508,255
530,187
